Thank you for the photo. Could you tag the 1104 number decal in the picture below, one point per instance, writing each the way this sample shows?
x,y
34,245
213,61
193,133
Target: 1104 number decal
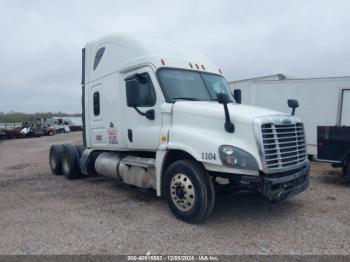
x,y
208,156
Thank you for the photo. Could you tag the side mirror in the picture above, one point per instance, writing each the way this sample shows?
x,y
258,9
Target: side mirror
x,y
293,103
237,94
133,96
223,98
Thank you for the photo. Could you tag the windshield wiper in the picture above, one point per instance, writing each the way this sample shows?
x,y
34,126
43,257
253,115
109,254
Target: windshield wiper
x,y
186,98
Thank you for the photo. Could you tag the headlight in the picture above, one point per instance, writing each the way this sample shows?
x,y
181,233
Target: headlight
x,y
234,157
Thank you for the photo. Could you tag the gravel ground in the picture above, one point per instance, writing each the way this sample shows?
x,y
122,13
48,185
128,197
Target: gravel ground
x,y
45,214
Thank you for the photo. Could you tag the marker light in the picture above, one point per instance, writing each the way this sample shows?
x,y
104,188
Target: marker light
x,y
220,71
190,65
203,67
197,66
162,61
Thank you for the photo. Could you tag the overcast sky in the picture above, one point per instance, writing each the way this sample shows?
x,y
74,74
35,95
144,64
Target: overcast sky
x,y
41,41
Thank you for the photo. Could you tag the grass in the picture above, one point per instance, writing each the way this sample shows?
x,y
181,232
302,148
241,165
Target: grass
x,y
17,117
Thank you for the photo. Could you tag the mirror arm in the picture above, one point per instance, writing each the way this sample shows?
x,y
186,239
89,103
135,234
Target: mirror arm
x,y
138,111
149,114
293,111
229,127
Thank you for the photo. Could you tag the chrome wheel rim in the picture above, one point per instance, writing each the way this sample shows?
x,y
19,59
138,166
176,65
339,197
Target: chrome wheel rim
x,y
182,192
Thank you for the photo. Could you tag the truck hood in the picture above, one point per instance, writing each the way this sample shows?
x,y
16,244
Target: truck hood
x,y
238,112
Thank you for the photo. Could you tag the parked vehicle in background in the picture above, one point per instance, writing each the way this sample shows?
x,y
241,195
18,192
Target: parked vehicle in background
x,y
10,130
12,133
325,109
2,134
159,116
66,124
34,127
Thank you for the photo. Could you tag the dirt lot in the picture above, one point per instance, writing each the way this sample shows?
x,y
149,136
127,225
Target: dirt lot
x,y
45,214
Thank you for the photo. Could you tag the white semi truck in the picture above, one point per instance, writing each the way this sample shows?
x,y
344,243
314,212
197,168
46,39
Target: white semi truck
x,y
159,116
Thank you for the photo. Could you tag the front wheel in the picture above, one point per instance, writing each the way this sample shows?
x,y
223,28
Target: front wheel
x,y
189,191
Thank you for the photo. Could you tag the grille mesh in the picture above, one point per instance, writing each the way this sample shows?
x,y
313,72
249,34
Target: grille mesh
x,y
283,145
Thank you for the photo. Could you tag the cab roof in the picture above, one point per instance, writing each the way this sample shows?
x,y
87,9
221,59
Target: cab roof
x,y
123,52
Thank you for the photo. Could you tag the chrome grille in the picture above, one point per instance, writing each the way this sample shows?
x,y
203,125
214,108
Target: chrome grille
x,y
283,144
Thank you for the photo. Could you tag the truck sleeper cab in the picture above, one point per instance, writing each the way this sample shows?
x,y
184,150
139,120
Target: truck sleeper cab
x,y
159,116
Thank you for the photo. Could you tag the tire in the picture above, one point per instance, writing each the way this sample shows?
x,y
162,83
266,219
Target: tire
x,y
80,149
189,191
55,159
70,162
211,196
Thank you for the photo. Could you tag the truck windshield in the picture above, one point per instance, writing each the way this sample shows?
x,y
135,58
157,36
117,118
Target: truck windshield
x,y
178,84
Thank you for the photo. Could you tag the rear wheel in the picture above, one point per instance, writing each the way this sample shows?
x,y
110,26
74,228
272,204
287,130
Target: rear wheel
x,y
56,154
80,149
70,161
189,191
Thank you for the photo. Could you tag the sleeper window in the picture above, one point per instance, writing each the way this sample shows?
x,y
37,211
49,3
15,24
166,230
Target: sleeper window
x,y
98,56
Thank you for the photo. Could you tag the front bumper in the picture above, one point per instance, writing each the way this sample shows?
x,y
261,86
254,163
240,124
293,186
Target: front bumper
x,y
280,186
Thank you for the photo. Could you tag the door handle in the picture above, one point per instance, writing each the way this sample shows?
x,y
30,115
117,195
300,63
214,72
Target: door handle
x,y
130,135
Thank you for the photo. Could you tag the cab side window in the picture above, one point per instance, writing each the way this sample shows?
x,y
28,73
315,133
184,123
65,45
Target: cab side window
x,y
147,95
96,101
147,92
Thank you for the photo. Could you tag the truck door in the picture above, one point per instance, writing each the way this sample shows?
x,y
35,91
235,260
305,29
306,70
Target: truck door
x,y
345,108
97,128
144,133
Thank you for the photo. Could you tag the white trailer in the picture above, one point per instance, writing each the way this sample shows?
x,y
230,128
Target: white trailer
x,y
322,101
159,116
